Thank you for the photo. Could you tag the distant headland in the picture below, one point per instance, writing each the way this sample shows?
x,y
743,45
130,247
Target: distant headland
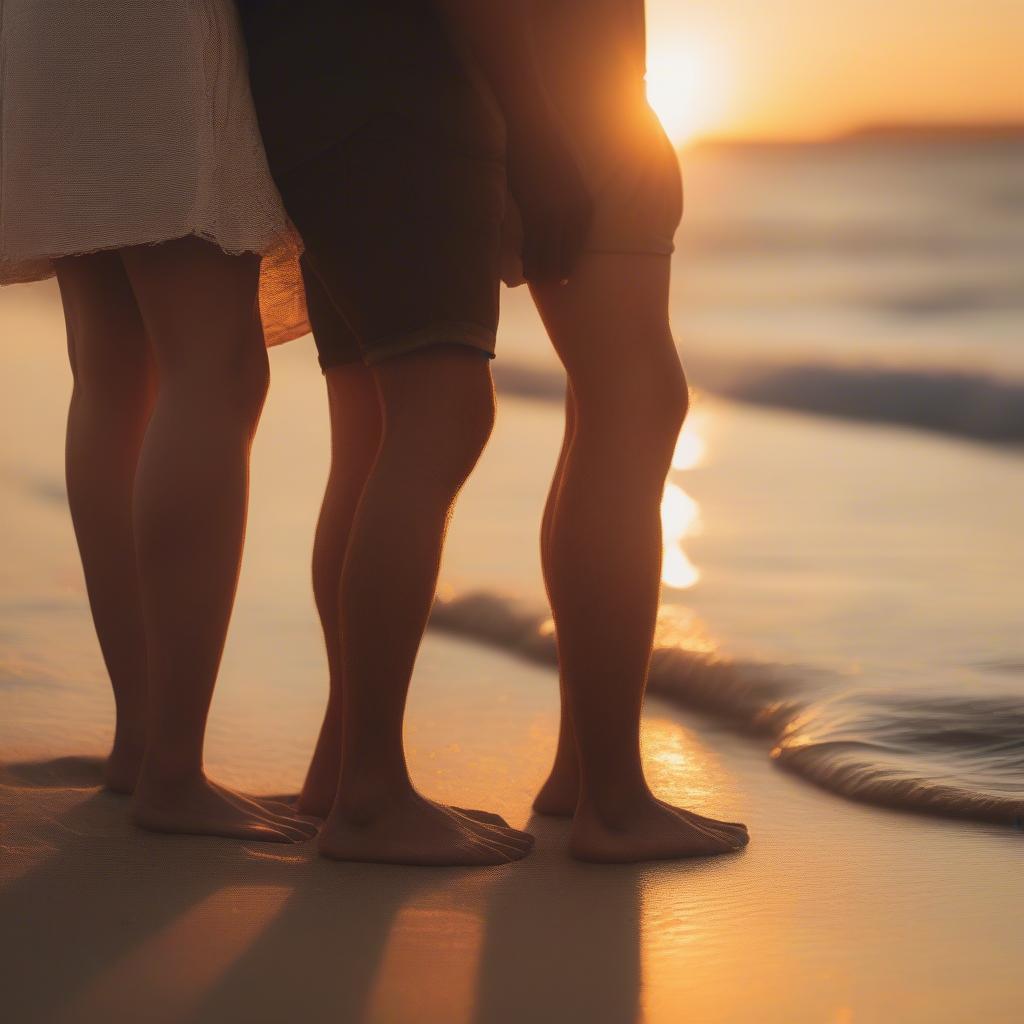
x,y
896,133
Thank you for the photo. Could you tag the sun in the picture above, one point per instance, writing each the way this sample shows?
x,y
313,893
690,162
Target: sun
x,y
685,86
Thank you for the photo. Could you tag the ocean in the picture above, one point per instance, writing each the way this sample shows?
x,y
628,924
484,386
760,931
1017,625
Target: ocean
x,y
875,279
843,548
855,595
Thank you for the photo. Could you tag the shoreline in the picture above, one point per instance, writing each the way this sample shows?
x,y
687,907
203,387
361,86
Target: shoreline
x,y
835,912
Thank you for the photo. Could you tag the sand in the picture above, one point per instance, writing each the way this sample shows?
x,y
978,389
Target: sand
x,y
836,912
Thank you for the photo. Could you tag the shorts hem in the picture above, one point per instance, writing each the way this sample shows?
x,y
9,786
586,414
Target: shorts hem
x,y
512,277
468,335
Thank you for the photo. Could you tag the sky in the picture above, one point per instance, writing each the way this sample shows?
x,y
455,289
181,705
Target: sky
x,y
808,68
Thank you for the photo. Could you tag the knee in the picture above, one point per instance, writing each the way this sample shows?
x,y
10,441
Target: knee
x,y
443,436
119,390
475,420
253,379
231,371
463,430
670,403
640,408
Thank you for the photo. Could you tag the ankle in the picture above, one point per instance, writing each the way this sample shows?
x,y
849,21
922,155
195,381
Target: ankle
x,y
160,777
613,802
129,740
364,800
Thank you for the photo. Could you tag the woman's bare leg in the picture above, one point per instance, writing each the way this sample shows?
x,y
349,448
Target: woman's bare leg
x,y
355,438
603,548
111,402
191,487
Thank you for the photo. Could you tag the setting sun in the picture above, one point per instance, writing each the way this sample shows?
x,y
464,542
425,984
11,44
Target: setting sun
x,y
685,86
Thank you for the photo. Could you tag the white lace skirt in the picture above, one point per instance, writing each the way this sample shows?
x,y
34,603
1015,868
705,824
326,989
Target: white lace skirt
x,y
130,122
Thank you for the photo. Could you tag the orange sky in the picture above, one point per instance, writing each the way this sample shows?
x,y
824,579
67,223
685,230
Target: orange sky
x,y
813,67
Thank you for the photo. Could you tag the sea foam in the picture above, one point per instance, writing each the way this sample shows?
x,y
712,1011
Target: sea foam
x,y
945,754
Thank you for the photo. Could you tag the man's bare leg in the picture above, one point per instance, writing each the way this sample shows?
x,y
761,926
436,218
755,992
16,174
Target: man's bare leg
x,y
602,554
438,409
560,793
355,437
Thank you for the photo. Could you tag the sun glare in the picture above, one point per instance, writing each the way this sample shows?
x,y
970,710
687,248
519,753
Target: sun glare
x,y
690,447
685,87
679,518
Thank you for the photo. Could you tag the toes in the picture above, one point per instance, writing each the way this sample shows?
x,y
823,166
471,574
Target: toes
x,y
501,852
486,817
509,843
735,831
301,830
501,834
261,833
724,840
712,838
284,820
276,806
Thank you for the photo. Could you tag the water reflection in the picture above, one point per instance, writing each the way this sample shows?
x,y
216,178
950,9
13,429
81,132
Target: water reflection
x,y
680,514
691,445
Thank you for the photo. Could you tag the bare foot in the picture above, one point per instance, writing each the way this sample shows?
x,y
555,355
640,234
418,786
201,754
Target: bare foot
x,y
558,796
648,829
413,830
201,807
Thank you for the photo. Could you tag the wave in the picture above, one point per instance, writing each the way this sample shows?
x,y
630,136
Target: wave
x,y
959,404
949,755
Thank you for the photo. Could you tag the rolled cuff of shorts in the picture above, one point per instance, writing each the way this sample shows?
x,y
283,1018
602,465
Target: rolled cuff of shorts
x,y
512,265
474,336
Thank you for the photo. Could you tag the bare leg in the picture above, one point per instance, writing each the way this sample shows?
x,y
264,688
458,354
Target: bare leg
x,y
355,438
559,794
437,415
603,550
198,307
114,385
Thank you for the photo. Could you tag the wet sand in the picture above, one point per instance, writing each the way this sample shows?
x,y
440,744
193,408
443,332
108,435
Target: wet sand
x,y
836,912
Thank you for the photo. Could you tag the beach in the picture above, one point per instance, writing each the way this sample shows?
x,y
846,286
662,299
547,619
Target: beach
x,y
837,911
839,662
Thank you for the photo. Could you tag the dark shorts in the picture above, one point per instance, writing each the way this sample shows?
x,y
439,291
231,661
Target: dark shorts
x,y
402,237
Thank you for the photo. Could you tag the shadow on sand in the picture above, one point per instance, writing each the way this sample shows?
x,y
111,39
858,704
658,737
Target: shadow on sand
x,y
101,922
